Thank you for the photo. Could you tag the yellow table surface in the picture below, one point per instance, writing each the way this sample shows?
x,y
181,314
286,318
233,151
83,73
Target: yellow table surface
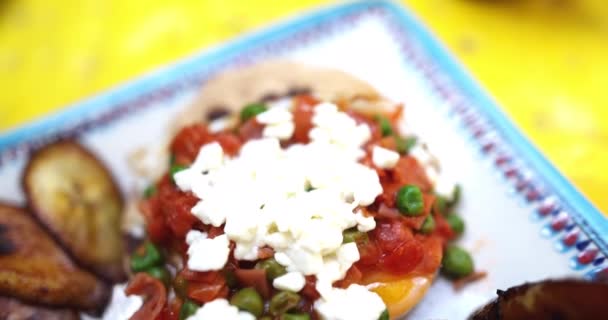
x,y
545,61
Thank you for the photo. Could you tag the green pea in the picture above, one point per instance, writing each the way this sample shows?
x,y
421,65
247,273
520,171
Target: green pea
x,y
248,300
252,110
149,191
456,223
354,235
295,316
384,315
385,126
272,267
428,225
149,258
161,273
404,145
180,285
282,302
409,200
457,263
188,308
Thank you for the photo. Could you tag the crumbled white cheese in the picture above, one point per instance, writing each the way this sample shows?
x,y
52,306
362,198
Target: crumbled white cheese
x,y
282,103
427,161
221,124
274,116
336,266
220,309
384,158
206,254
194,235
355,302
282,131
210,157
364,224
339,129
445,187
279,123
121,306
291,281
297,200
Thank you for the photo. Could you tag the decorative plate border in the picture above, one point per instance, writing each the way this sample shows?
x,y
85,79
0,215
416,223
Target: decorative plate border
x,y
577,228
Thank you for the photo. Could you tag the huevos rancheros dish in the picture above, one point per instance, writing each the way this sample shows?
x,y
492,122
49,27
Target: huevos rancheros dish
x,y
299,198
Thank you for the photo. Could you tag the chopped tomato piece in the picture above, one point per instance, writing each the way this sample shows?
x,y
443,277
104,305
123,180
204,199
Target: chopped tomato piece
x,y
154,293
204,292
213,231
265,253
310,291
443,229
187,143
388,143
251,129
353,275
409,171
155,222
369,254
404,258
205,286
432,254
390,234
230,142
255,278
176,208
302,117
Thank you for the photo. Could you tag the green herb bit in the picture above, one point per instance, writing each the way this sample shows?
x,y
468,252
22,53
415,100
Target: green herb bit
x,y
385,125
150,257
252,110
161,273
149,191
404,145
175,168
354,235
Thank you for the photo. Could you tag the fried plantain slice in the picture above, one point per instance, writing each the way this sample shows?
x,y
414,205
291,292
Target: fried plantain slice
x,y
76,199
553,299
14,309
34,268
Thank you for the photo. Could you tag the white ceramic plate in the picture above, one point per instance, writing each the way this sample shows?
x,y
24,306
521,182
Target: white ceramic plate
x,y
525,222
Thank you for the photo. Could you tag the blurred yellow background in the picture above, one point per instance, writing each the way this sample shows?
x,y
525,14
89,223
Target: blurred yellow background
x,y
545,61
